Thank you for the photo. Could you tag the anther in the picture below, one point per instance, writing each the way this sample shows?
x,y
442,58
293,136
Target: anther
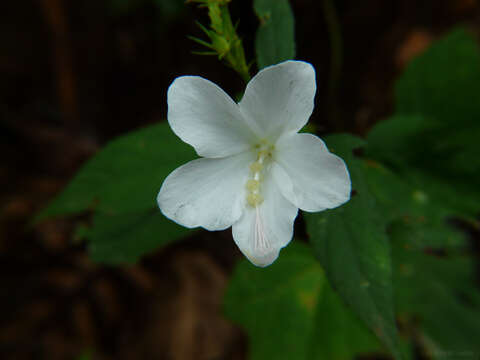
x,y
263,154
254,199
256,167
253,185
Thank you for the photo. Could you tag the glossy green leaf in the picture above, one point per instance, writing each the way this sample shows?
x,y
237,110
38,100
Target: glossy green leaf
x,y
275,39
444,82
290,312
459,194
460,150
414,141
423,216
438,296
352,245
440,161
124,238
402,140
120,184
125,175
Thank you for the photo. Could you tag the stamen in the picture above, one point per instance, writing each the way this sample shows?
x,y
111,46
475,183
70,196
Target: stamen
x,y
256,167
264,152
253,185
254,199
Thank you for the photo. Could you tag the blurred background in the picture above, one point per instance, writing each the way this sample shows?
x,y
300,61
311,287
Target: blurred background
x,y
76,74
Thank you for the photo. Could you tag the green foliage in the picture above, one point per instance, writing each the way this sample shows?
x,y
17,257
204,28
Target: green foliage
x,y
275,40
415,171
290,311
353,248
394,141
433,139
417,148
443,83
120,184
439,295
125,237
224,41
431,145
421,215
420,168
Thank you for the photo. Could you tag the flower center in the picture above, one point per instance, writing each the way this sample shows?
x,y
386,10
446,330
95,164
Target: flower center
x,y
257,168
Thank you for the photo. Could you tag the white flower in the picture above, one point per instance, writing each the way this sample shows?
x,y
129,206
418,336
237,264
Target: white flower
x,y
256,170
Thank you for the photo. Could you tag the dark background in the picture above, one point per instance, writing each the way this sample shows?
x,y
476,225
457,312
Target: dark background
x,y
75,74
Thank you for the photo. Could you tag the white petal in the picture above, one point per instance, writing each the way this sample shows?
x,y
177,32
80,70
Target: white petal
x,y
204,116
263,231
312,178
206,192
280,98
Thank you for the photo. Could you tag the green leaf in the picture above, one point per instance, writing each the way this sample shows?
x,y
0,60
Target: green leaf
x,y
438,296
405,141
124,238
422,215
428,156
275,39
444,82
424,234
400,140
290,312
352,245
458,194
120,184
431,146
125,175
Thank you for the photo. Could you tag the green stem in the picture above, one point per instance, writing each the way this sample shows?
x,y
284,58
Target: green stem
x,y
223,37
336,62
236,56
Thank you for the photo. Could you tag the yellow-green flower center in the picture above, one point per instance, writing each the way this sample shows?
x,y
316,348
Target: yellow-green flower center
x,y
264,152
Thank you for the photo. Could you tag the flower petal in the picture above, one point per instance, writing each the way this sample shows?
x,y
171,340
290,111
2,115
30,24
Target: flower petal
x,y
280,98
318,179
206,192
204,116
263,231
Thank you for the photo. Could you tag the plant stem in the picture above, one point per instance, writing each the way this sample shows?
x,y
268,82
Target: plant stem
x,y
236,56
